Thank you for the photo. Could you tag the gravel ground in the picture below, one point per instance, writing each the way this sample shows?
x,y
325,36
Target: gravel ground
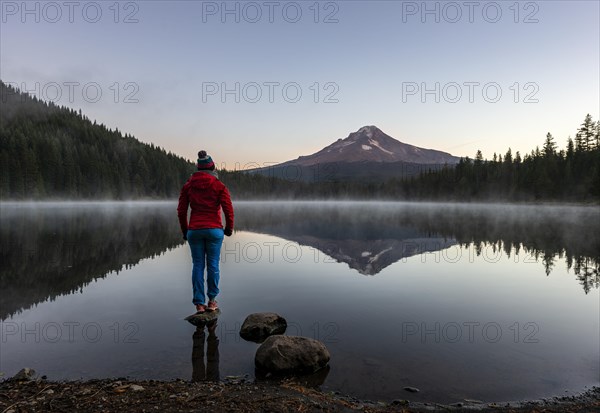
x,y
121,395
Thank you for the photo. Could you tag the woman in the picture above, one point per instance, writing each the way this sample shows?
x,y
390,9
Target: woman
x,y
205,195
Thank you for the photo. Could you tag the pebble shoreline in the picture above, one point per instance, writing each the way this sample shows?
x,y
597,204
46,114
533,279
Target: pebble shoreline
x,y
237,395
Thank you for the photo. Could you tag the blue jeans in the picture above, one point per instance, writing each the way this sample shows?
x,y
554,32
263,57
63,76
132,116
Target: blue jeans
x,y
206,250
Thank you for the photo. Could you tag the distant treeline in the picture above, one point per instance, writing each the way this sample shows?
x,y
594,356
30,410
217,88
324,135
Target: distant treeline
x,y
547,174
47,151
571,174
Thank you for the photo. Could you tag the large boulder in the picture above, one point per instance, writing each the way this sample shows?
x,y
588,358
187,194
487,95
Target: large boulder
x,y
258,326
291,355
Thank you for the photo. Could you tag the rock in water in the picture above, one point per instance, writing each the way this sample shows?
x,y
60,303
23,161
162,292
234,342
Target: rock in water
x,y
203,318
258,326
24,374
291,355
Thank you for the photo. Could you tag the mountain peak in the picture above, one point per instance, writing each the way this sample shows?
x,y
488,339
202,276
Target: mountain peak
x,y
368,130
371,144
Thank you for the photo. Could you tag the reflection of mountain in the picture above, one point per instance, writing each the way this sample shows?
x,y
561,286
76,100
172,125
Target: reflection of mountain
x,y
50,251
54,250
369,257
367,242
347,230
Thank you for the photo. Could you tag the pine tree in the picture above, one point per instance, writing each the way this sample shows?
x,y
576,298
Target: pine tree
x,y
508,156
478,157
586,135
549,146
570,148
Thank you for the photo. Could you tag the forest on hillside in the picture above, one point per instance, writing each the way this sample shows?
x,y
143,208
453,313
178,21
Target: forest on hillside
x,y
48,151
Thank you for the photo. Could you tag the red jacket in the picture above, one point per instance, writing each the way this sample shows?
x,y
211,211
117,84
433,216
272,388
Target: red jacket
x,y
206,195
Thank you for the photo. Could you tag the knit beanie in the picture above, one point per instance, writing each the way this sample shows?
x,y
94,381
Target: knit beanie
x,y
205,161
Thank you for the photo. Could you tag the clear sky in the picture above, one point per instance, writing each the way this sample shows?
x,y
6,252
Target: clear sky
x,y
267,81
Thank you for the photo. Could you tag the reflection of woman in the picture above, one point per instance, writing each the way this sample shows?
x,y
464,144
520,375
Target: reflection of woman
x,y
205,195
210,371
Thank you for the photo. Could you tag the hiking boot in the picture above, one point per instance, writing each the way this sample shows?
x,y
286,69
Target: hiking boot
x,y
200,308
212,305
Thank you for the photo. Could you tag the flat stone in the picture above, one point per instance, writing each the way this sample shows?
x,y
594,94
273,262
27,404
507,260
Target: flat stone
x,y
258,326
203,318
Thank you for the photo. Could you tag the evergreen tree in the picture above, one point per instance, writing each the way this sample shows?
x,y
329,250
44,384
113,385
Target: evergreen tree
x,y
586,135
478,157
570,148
549,146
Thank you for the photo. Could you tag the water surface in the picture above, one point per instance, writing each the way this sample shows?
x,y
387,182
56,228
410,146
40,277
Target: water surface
x,y
462,301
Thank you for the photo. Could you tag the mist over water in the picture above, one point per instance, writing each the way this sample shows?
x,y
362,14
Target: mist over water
x,y
546,231
455,299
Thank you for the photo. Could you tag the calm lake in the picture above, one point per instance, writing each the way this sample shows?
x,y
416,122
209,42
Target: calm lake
x,y
488,302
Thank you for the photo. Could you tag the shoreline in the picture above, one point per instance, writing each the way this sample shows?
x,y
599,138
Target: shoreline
x,y
120,394
301,200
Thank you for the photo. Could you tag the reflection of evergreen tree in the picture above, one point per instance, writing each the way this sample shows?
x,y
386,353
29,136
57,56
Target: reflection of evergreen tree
x,y
48,252
529,234
587,271
548,262
49,151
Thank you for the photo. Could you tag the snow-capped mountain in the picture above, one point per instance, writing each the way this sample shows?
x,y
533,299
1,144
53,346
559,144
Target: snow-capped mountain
x,y
367,155
370,144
